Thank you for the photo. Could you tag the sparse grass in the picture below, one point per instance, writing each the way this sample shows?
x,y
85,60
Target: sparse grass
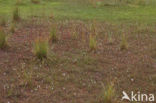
x,y
18,2
27,79
108,94
74,35
110,39
53,36
153,52
16,15
124,43
2,21
3,39
73,75
10,92
35,1
74,32
12,27
93,28
92,43
40,48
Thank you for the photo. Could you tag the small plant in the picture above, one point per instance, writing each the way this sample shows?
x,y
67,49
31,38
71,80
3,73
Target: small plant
x,y
35,1
93,3
2,21
153,52
110,39
16,16
10,92
12,27
53,36
92,42
93,28
41,47
74,33
18,2
123,44
27,77
107,95
3,39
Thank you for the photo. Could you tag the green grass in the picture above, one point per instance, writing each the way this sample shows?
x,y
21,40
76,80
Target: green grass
x,y
61,10
3,39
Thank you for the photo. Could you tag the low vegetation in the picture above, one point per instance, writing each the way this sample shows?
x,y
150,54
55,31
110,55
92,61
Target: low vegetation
x,y
16,15
18,2
92,43
27,79
124,43
60,51
107,95
35,1
2,21
12,27
3,39
53,36
40,48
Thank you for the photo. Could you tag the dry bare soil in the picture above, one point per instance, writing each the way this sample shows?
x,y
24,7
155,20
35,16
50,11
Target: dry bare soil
x,y
72,73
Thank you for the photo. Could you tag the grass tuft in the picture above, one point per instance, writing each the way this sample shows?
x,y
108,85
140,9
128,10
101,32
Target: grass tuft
x,y
3,39
18,2
92,43
110,39
123,44
40,48
108,94
12,27
27,79
2,21
16,16
35,1
53,36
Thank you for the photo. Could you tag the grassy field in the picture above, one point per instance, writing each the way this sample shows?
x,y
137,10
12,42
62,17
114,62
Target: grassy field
x,y
61,10
76,51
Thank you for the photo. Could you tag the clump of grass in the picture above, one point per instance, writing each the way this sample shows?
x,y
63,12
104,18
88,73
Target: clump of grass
x,y
94,3
12,27
10,92
16,16
123,44
110,39
93,28
3,39
2,21
35,1
40,48
18,2
74,33
27,77
108,94
92,42
53,37
153,52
